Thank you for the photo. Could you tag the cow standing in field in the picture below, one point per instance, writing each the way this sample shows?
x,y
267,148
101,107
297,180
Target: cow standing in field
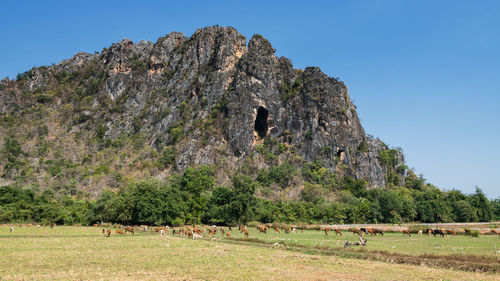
x,y
429,231
378,231
438,231
276,229
420,232
355,231
246,233
326,231
103,230
228,234
262,228
338,232
108,233
162,232
129,229
407,232
451,231
11,229
119,231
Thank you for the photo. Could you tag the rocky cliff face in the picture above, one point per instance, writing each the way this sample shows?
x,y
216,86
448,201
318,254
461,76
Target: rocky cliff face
x,y
153,109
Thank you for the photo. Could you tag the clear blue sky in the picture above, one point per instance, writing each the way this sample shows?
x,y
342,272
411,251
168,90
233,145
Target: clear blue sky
x,y
425,75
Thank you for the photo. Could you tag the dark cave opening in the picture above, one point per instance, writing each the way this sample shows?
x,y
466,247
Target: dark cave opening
x,y
261,125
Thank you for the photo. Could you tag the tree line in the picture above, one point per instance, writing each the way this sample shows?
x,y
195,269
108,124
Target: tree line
x,y
193,197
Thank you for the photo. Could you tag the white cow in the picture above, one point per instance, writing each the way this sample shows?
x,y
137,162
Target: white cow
x,y
196,236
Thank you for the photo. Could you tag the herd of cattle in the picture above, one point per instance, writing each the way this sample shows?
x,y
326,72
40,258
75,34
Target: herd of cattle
x,y
197,231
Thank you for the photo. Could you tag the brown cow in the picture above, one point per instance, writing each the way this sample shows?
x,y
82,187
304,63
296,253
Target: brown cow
x,y
103,230
407,232
228,234
119,231
108,233
378,231
129,229
52,225
276,229
326,230
246,233
354,231
262,228
338,232
451,231
96,225
494,231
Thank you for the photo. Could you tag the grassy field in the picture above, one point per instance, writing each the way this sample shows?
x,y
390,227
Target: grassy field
x,y
393,242
76,253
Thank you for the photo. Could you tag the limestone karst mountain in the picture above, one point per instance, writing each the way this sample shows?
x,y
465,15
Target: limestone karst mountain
x,y
139,110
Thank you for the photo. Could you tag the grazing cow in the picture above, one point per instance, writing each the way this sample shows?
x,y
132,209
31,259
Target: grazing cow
x,y
438,231
371,231
326,230
338,232
108,233
190,233
228,234
129,229
355,231
196,236
119,231
212,231
276,229
407,232
420,232
246,233
451,231
11,228
363,229
262,228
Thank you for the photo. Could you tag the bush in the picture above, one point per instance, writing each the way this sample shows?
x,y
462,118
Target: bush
x,y
43,98
178,222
